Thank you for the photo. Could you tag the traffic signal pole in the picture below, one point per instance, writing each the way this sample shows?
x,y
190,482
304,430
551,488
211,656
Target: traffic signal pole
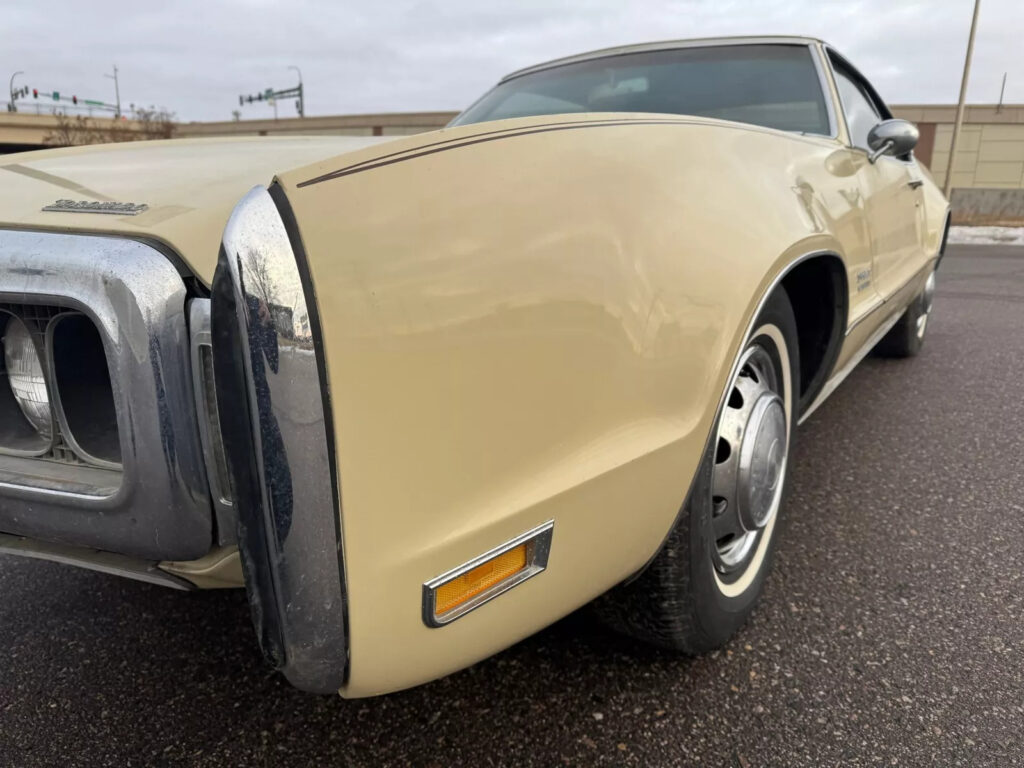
x,y
12,107
302,101
271,96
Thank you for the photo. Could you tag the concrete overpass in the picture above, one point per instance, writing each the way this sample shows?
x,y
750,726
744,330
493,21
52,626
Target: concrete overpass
x,y
22,131
386,124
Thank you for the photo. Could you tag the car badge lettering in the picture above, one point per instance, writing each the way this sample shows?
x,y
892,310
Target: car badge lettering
x,y
89,206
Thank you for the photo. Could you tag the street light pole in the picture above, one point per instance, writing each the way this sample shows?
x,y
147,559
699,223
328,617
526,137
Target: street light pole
x,y
12,106
948,188
117,92
302,100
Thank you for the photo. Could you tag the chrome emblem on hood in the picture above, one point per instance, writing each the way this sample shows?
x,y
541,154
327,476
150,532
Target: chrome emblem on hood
x,y
87,206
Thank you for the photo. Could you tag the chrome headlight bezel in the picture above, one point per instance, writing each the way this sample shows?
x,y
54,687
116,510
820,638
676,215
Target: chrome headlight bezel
x,y
154,504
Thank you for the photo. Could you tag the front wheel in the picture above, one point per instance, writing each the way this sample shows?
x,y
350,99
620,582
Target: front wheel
x,y
704,582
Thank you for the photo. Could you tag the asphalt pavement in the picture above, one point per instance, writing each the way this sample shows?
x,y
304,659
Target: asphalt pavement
x,y
890,632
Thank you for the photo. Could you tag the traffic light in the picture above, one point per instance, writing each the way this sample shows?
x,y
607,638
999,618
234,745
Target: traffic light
x,y
35,93
74,100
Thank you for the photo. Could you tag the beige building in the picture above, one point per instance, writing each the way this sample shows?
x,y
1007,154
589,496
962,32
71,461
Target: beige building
x,y
988,175
991,148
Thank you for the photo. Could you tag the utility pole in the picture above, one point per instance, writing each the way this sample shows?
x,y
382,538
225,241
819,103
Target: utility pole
x,y
960,104
117,92
12,107
302,102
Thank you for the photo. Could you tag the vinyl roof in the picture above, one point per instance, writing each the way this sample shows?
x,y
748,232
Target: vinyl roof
x,y
667,45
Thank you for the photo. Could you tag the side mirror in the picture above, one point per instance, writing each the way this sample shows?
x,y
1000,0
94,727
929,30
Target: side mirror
x,y
892,137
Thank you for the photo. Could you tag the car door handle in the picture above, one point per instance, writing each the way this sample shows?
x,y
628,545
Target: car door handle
x,y
915,183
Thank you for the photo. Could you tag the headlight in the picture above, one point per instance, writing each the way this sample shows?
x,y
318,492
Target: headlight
x,y
25,376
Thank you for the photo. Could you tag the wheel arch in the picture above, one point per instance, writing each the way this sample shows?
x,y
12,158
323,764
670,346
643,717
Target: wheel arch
x,y
821,270
817,291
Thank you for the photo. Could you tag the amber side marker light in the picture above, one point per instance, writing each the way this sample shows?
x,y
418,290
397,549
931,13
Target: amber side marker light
x,y
463,589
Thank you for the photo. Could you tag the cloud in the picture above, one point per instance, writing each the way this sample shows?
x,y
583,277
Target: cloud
x,y
195,57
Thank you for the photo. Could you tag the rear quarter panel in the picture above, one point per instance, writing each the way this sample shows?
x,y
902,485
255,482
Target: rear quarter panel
x,y
526,323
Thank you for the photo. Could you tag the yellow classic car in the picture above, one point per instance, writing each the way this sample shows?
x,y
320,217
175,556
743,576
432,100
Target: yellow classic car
x,y
423,396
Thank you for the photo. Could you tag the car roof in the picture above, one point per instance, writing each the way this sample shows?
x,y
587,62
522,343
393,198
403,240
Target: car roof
x,y
667,45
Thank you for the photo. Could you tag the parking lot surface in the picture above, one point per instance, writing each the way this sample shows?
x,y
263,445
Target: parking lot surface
x,y
890,632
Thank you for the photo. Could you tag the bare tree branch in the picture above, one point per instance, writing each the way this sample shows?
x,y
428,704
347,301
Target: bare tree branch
x,y
74,131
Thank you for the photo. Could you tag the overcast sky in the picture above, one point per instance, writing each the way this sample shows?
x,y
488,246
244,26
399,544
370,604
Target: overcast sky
x,y
195,57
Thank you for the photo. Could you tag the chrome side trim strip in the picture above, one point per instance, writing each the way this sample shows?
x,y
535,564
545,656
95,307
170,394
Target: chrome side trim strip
x,y
881,302
539,541
840,375
877,305
275,424
91,559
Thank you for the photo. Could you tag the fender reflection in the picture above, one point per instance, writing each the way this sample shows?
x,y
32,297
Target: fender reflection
x,y
268,366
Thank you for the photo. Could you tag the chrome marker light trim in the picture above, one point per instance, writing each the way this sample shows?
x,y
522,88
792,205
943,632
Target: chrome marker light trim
x,y
158,506
539,541
276,433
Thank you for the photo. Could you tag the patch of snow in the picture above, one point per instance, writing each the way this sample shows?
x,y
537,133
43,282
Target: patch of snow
x,y
987,235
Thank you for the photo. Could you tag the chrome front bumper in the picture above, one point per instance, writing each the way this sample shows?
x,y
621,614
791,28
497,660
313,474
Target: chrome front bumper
x,y
274,408
156,505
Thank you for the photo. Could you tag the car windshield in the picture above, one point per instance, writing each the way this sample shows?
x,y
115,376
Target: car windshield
x,y
776,86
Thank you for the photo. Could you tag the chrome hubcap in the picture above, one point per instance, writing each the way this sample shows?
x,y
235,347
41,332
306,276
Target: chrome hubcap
x,y
750,459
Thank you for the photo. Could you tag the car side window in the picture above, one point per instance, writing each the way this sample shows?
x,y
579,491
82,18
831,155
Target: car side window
x,y
861,113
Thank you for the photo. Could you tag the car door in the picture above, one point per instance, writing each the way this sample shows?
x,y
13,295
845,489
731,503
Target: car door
x,y
892,187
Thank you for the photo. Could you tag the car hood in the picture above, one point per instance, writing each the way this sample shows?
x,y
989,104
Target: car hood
x,y
189,185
